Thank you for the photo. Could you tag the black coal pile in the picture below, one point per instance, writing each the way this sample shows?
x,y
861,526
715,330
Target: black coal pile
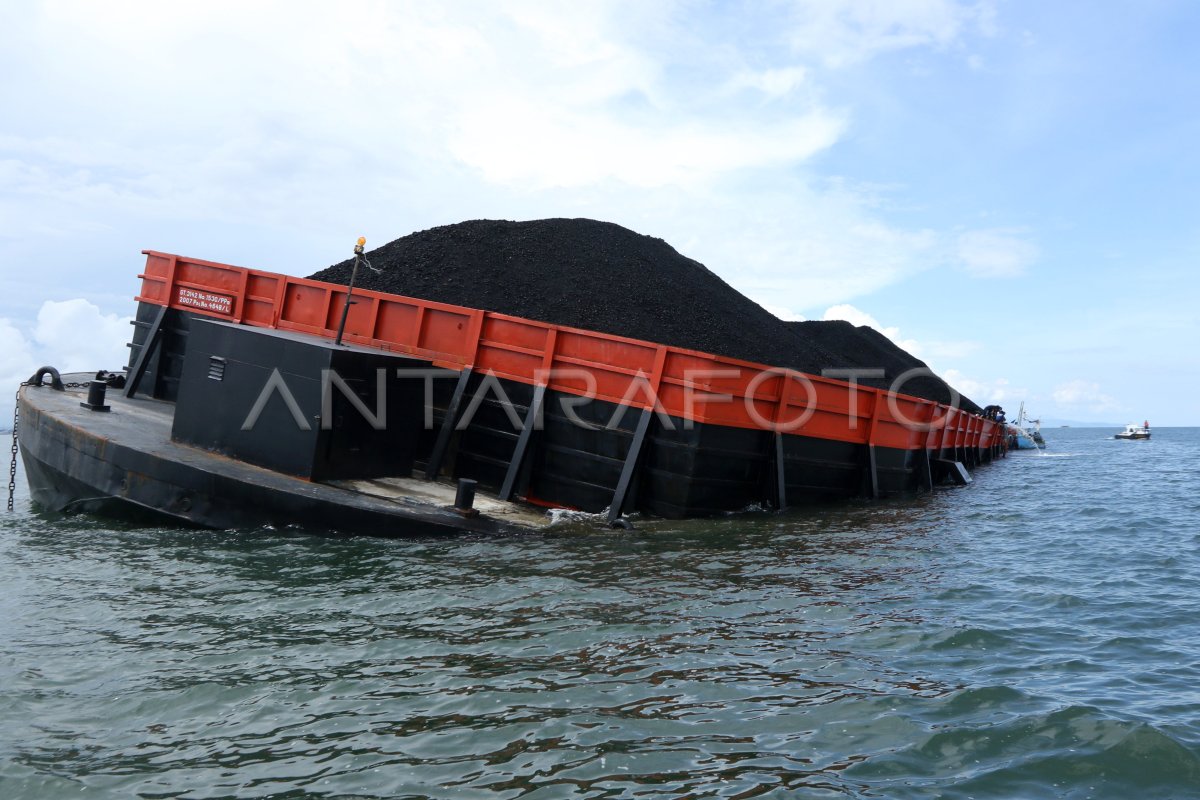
x,y
585,274
600,276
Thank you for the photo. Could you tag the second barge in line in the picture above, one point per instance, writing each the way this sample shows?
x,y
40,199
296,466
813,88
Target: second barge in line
x,y
259,398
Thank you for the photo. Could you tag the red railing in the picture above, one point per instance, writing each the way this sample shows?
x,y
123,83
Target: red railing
x,y
683,383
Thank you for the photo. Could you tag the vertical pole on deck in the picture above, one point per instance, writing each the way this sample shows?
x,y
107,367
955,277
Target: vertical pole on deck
x,y
349,302
358,254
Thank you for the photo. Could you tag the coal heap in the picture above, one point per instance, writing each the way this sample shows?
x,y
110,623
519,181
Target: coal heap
x,y
600,276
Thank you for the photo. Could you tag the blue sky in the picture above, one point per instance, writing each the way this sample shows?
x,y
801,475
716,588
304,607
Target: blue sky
x,y
1005,188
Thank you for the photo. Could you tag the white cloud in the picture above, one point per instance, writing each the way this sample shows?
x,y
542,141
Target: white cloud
x,y
1076,395
998,391
842,34
258,130
517,140
856,316
16,359
808,247
525,94
933,353
782,312
71,336
74,335
773,82
996,253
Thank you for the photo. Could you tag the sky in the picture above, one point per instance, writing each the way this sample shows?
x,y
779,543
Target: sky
x,y
1006,189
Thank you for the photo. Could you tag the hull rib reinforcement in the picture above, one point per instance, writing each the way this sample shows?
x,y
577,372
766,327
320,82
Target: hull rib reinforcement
x,y
629,468
148,346
925,469
780,474
447,430
872,472
518,457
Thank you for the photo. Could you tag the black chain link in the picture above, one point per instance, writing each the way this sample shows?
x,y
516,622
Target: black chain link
x,y
12,467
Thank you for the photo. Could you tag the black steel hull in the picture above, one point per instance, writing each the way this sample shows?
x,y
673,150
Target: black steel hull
x,y
123,464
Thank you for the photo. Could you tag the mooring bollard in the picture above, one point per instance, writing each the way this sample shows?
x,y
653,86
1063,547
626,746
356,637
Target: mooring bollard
x,y
464,499
96,391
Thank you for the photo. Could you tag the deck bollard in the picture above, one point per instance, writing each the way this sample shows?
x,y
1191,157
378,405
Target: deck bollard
x,y
96,391
464,499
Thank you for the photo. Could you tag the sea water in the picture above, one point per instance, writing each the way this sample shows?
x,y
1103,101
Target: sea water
x,y
1035,634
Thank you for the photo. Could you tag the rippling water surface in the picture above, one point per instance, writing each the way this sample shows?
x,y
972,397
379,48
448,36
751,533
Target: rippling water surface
x,y
1035,634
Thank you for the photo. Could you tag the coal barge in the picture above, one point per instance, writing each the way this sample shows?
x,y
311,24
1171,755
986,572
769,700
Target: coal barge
x,y
256,398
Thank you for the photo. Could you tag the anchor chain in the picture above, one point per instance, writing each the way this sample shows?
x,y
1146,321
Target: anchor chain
x,y
12,466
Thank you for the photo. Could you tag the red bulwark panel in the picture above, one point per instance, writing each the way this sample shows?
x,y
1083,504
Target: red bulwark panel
x,y
683,383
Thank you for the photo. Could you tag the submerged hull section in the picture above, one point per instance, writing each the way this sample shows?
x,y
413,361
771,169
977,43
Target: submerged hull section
x,y
1022,441
552,416
682,468
123,463
576,456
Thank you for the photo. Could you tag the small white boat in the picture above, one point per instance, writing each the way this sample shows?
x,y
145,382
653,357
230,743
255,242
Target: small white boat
x,y
1134,431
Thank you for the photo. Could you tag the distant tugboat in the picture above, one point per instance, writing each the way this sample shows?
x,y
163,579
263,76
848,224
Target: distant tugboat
x,y
1134,431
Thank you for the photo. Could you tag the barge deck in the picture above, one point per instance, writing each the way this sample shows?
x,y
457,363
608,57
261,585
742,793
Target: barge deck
x,y
123,462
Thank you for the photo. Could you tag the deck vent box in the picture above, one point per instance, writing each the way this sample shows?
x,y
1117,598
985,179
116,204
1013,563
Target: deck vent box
x,y
270,398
